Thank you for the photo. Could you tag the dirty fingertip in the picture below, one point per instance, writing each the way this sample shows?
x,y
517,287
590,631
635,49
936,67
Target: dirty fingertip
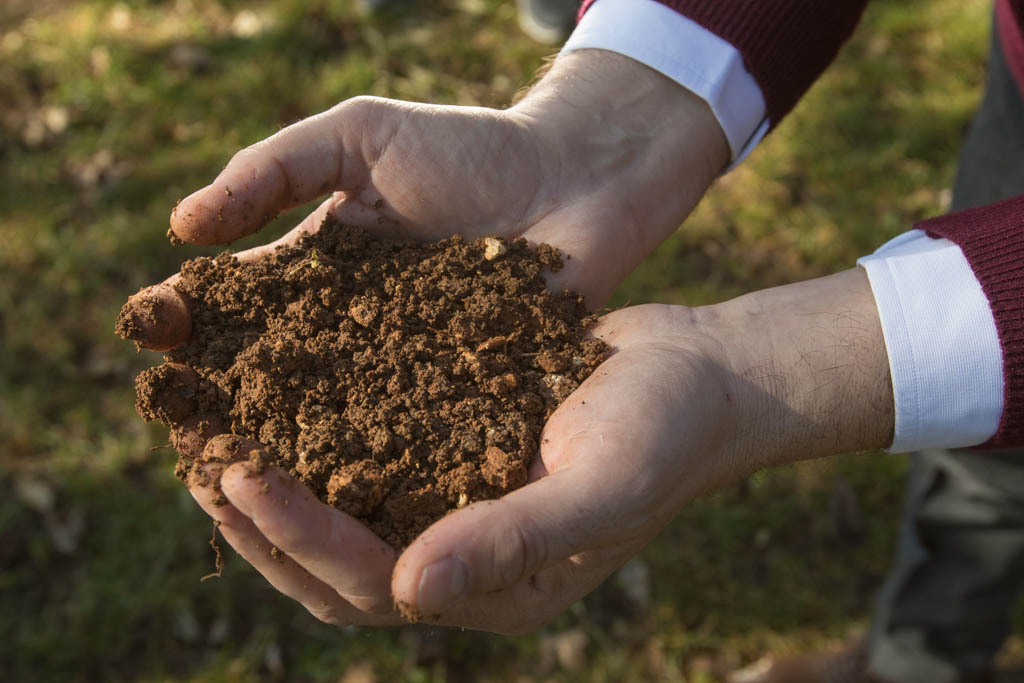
x,y
156,318
190,436
228,448
216,214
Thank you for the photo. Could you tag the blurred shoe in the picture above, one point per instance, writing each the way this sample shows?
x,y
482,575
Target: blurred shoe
x,y
370,8
547,21
848,665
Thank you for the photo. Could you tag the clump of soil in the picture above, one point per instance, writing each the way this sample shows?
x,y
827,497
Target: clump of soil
x,y
398,380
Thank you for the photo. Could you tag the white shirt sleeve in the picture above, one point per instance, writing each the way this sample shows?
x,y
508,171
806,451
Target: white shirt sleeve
x,y
686,52
944,353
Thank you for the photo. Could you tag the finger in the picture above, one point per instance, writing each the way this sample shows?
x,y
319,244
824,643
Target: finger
x,y
159,317
528,605
170,392
282,572
344,209
621,327
333,546
156,318
166,392
309,225
191,436
493,545
304,161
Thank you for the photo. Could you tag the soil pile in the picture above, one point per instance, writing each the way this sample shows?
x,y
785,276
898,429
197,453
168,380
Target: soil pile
x,y
398,380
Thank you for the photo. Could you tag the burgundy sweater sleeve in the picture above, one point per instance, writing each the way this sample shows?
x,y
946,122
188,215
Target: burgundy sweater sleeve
x,y
785,44
992,239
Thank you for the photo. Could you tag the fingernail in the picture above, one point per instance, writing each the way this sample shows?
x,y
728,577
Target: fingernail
x,y
441,585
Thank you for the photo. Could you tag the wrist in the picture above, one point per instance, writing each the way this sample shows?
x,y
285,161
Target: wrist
x,y
620,126
808,365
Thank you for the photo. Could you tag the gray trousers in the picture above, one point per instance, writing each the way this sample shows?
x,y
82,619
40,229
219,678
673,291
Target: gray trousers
x,y
944,610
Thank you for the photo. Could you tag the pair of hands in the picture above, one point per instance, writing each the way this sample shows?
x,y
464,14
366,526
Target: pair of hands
x,y
603,159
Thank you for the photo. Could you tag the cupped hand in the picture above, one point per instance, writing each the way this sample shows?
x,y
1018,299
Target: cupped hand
x,y
689,400
641,436
603,159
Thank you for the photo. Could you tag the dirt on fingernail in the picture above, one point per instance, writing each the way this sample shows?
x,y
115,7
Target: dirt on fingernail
x,y
398,380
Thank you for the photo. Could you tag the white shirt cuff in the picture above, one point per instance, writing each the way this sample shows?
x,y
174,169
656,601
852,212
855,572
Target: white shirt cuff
x,y
686,52
944,353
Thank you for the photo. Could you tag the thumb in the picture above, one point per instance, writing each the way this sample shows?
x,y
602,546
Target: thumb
x,y
495,544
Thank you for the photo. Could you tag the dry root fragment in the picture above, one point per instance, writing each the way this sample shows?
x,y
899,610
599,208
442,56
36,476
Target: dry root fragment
x,y
492,344
551,362
218,562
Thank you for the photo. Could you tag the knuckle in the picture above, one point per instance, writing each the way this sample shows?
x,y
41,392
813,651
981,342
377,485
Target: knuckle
x,y
371,604
552,584
359,106
328,614
292,540
246,154
304,536
519,551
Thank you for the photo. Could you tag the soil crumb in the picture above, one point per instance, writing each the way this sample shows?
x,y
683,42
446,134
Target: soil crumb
x,y
398,380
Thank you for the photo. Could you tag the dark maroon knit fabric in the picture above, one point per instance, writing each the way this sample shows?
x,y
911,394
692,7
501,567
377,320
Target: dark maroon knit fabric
x,y
785,44
1010,25
992,239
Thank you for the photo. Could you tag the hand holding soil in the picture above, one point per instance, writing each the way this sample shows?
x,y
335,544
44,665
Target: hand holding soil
x,y
398,380
592,187
609,473
602,160
616,462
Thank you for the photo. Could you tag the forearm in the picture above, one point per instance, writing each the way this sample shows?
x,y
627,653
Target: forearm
x,y
807,362
623,129
807,370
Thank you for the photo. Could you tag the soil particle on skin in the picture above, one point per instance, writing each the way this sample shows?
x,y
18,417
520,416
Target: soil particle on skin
x,y
174,239
398,380
408,612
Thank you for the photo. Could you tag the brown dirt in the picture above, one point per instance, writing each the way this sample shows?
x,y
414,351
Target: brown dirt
x,y
398,380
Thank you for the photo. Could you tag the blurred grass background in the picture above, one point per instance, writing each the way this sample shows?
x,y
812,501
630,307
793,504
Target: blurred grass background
x,y
111,111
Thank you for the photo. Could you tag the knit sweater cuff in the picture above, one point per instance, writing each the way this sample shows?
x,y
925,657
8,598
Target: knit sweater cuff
x,y
992,239
785,44
1010,27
